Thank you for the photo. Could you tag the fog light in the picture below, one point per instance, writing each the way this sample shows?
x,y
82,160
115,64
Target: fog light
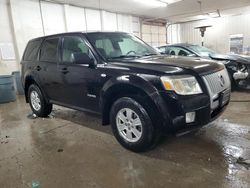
x,y
190,117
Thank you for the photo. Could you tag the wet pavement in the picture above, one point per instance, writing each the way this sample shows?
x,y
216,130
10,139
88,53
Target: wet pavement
x,y
71,149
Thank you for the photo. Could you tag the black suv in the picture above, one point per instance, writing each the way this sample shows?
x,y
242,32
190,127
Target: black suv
x,y
140,92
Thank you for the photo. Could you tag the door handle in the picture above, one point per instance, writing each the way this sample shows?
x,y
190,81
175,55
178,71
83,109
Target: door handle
x,y
38,68
64,70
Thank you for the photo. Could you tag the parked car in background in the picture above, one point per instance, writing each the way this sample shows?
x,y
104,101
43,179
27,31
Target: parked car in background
x,y
140,92
238,66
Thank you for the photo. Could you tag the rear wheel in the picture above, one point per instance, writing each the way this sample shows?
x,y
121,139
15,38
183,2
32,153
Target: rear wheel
x,y
132,125
37,102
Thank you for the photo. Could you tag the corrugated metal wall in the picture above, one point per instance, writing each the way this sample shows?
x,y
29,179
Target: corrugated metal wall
x,y
217,37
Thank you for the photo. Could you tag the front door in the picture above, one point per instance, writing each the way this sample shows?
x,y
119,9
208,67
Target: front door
x,y
78,80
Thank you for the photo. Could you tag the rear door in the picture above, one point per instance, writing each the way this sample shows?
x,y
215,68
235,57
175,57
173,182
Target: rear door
x,y
30,59
47,67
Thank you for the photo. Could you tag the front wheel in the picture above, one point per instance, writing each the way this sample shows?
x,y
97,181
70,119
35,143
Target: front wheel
x,y
37,102
132,125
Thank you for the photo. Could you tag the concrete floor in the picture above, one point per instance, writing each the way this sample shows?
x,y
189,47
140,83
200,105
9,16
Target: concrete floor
x,y
70,149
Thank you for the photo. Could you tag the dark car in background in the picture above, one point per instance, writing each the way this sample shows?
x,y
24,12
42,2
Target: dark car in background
x,y
140,92
238,66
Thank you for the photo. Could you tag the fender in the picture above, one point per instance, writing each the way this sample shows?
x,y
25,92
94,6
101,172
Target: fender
x,y
140,83
30,76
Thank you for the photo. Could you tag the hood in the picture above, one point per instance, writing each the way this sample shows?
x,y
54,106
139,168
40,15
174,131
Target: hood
x,y
172,64
231,57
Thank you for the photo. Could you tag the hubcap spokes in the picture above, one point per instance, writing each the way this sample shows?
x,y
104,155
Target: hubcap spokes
x,y
129,125
35,100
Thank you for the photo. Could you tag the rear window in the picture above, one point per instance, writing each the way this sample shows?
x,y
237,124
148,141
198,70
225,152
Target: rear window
x,y
32,50
49,50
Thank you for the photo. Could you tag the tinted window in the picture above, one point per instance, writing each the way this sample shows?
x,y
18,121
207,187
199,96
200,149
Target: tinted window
x,y
31,50
49,50
119,45
72,45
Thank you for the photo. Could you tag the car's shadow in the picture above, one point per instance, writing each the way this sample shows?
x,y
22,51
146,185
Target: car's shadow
x,y
86,119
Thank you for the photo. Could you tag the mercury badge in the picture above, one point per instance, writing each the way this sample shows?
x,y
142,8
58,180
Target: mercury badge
x,y
221,80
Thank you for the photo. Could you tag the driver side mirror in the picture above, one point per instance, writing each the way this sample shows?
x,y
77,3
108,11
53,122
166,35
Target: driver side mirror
x,y
83,58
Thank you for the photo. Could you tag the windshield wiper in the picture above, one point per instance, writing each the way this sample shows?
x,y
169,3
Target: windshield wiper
x,y
124,56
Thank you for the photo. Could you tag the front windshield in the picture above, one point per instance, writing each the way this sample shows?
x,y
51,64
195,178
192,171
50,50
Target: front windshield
x,y
202,51
119,45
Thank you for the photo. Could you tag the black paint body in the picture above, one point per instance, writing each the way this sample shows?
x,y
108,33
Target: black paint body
x,y
75,85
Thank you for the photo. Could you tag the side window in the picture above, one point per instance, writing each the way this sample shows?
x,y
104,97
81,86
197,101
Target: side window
x,y
172,51
179,51
168,50
49,50
74,45
32,50
183,52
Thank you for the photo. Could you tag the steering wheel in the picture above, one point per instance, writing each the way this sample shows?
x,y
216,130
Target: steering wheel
x,y
131,51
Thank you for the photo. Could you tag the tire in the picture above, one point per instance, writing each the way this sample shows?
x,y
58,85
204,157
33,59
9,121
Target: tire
x,y
136,132
37,102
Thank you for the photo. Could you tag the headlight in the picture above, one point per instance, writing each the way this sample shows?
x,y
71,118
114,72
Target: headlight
x,y
182,85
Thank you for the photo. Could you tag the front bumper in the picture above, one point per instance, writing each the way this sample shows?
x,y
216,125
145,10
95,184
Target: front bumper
x,y
178,106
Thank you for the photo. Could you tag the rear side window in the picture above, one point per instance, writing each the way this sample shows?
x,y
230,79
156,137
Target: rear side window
x,y
32,50
49,50
179,51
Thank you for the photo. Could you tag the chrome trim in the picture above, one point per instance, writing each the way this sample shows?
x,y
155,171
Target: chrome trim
x,y
217,83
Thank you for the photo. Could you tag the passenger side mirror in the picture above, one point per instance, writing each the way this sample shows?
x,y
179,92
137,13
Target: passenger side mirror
x,y
83,58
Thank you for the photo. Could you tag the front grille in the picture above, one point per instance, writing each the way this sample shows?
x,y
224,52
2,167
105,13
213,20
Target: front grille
x,y
218,83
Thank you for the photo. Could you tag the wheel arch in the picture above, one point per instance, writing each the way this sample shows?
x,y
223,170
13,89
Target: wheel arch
x,y
29,80
130,86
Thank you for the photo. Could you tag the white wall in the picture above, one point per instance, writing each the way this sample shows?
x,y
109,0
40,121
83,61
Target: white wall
x,y
33,19
173,34
136,26
93,18
109,22
27,22
154,35
217,37
53,18
6,40
75,18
